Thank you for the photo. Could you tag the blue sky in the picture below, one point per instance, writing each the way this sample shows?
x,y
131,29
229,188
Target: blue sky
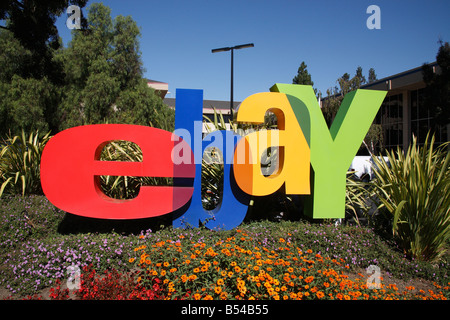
x,y
330,36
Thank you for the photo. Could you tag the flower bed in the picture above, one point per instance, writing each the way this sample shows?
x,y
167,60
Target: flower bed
x,y
254,261
240,267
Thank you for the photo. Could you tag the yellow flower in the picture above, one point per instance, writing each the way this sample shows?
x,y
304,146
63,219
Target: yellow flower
x,y
131,260
220,282
218,290
197,296
166,264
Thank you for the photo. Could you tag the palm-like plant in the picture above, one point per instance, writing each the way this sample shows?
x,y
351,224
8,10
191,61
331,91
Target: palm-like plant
x,y
124,187
414,187
20,159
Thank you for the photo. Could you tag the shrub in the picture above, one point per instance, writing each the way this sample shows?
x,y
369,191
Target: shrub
x,y
20,159
415,189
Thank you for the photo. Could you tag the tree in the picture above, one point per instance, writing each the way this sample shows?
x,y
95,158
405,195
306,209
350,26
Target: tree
x,y
372,75
25,102
104,74
437,90
359,79
100,80
303,76
32,22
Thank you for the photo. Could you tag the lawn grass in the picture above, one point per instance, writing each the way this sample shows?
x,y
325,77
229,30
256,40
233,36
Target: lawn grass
x,y
37,245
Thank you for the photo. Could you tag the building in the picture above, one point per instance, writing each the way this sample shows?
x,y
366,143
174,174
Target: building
x,y
161,88
403,112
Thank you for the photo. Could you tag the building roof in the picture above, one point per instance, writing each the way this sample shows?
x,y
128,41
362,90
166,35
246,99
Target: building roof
x,y
410,79
209,105
161,88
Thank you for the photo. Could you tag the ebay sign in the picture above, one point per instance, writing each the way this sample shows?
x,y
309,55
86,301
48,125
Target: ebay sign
x,y
313,160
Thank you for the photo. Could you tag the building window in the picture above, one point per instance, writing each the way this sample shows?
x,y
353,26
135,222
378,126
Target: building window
x,y
390,116
421,120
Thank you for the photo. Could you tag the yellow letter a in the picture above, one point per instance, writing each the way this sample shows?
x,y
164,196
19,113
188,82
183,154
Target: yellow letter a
x,y
294,154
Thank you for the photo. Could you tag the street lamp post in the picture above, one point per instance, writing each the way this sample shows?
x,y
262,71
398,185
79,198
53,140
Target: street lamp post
x,y
242,46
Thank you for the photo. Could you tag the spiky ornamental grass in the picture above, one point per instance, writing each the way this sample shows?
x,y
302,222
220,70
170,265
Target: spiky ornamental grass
x,y
414,188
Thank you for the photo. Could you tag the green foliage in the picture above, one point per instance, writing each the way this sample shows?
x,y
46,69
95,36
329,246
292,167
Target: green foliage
x,y
356,198
24,218
415,189
32,23
123,187
303,76
98,78
20,158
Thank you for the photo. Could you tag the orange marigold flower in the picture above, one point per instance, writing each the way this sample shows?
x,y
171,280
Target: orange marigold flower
x,y
309,279
131,260
320,294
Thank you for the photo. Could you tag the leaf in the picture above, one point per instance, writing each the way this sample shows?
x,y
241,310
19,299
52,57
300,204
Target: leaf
x,y
397,215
